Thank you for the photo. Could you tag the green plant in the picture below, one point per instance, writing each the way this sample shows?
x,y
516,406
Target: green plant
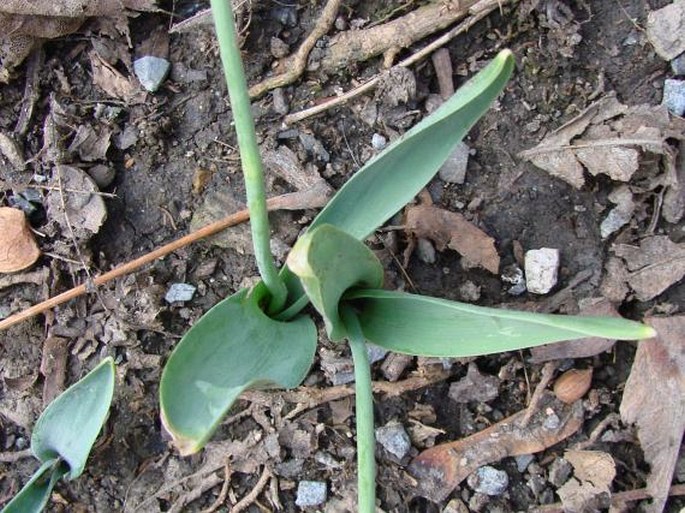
x,y
64,435
258,337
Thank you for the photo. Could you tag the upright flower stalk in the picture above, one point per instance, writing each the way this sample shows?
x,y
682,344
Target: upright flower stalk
x,y
249,150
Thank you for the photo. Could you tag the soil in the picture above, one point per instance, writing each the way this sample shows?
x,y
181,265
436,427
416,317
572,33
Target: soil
x,y
183,162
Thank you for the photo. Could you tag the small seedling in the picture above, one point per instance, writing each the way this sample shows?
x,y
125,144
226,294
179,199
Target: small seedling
x,y
64,435
258,337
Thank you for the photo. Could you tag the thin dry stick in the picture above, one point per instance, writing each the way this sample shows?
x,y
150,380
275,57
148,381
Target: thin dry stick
x,y
480,10
224,490
547,374
310,198
294,65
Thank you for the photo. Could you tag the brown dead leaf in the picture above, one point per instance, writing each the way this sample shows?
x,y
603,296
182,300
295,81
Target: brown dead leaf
x,y
654,399
588,491
583,347
652,267
25,24
18,248
113,82
54,367
440,469
91,144
452,230
74,203
607,138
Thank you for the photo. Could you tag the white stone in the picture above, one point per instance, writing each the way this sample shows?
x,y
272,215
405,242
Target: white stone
x,y
311,493
151,71
542,268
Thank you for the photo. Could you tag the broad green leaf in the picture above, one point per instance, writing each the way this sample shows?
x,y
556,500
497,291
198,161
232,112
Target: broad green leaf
x,y
426,326
35,494
68,427
328,262
389,181
233,347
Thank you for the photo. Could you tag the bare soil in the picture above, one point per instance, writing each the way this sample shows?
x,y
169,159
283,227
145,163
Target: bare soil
x,y
182,164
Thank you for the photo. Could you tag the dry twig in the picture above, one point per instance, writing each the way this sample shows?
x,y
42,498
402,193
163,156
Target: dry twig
x,y
293,67
310,198
478,11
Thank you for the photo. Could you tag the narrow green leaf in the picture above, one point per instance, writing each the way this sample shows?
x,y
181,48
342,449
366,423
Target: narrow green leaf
x,y
390,180
328,262
426,326
233,347
35,494
68,427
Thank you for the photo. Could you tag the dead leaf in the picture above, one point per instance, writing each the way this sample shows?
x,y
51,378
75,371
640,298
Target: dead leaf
x,y
90,144
440,469
74,203
25,24
18,248
606,138
54,367
652,267
581,348
452,230
666,30
588,490
114,83
654,399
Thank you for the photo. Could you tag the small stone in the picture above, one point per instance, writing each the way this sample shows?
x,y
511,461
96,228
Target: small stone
x,y
313,146
489,481
151,71
514,275
542,267
674,96
279,48
285,15
522,461
559,472
474,387
678,65
102,175
552,421
311,493
280,102
378,142
20,443
455,506
425,251
394,439
454,168
180,292
469,291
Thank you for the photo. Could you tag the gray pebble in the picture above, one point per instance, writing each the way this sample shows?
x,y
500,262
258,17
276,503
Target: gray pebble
x,y
394,439
378,141
102,175
313,146
559,472
151,71
280,101
311,493
674,96
425,250
180,292
454,168
542,267
678,65
523,460
489,481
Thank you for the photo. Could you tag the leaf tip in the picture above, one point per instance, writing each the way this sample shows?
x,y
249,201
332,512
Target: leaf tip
x,y
185,445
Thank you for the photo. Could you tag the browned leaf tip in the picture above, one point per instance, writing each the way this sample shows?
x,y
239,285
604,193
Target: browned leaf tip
x,y
18,248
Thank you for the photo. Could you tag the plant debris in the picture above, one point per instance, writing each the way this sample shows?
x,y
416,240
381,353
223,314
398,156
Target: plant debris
x,y
657,406
608,138
451,230
588,489
648,269
19,248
